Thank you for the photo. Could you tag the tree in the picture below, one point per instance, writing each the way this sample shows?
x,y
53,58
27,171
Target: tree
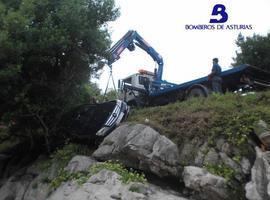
x,y
47,53
110,95
254,50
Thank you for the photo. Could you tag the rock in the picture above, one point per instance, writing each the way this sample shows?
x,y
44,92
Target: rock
x,y
140,188
232,164
263,132
30,183
261,127
199,159
37,190
141,147
80,163
104,176
223,146
188,151
207,186
258,187
106,185
245,166
265,138
220,142
227,148
251,192
212,157
116,196
14,189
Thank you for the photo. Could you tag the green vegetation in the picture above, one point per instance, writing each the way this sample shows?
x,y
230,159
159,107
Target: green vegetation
x,y
221,170
64,176
229,116
49,52
254,50
62,156
229,174
221,114
127,176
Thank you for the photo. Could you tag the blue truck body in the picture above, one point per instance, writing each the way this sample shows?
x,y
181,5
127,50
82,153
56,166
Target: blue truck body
x,y
158,92
202,81
231,82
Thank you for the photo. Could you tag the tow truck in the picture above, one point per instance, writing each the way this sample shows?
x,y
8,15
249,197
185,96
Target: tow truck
x,y
147,88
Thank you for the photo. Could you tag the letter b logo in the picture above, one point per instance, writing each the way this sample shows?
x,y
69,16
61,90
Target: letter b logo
x,y
219,9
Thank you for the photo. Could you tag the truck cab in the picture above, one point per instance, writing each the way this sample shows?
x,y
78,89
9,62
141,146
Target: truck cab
x,y
135,87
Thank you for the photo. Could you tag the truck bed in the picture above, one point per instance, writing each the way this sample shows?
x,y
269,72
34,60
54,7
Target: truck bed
x,y
230,78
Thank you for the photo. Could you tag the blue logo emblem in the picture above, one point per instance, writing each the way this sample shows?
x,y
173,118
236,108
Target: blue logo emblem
x,y
219,10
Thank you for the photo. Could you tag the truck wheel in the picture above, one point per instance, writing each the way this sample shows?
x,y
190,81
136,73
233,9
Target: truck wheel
x,y
197,91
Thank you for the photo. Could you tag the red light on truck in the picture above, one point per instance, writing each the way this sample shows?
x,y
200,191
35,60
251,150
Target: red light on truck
x,y
142,71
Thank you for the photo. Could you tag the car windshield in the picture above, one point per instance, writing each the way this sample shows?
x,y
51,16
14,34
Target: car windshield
x,y
90,118
103,111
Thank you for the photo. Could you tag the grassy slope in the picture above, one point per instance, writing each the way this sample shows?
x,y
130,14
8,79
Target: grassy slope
x,y
230,116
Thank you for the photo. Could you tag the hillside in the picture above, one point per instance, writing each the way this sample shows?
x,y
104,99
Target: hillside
x,y
215,133
231,116
202,148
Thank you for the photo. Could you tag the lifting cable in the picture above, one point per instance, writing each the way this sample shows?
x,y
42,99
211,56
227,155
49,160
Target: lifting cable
x,y
115,90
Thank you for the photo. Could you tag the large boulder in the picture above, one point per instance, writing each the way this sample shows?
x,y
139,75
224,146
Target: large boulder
x,y
141,147
259,186
106,185
207,185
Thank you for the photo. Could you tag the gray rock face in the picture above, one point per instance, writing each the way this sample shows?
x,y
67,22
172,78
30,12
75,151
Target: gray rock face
x,y
106,185
232,164
259,186
263,132
14,189
199,159
211,157
80,163
245,165
208,186
192,151
29,184
139,146
265,138
32,183
261,127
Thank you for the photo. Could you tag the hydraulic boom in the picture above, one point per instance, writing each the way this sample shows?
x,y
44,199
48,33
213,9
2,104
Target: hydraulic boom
x,y
129,40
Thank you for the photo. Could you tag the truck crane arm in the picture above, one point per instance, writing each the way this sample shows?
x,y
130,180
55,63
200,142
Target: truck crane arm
x,y
129,40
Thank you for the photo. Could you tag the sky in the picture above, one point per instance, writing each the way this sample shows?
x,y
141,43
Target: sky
x,y
187,54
